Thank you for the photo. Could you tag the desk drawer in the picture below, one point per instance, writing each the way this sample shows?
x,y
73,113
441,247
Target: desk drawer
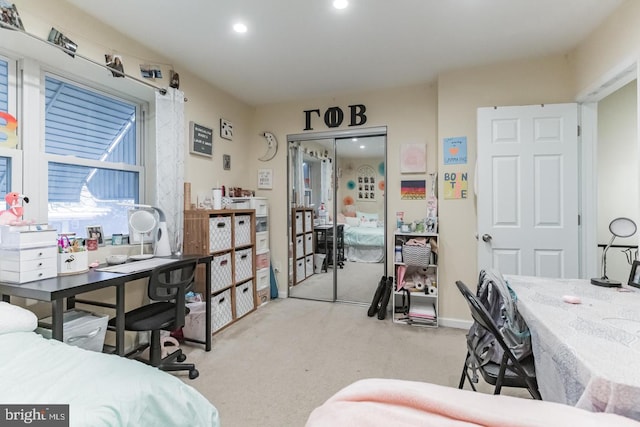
x,y
26,255
29,265
29,276
27,239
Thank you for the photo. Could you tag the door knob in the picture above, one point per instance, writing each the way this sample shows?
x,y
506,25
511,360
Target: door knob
x,y
486,237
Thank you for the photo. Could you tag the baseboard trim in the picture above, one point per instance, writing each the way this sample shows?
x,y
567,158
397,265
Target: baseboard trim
x,y
282,294
455,323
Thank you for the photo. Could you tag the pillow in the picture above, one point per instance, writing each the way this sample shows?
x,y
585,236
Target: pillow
x,y
352,222
350,214
367,216
16,319
368,224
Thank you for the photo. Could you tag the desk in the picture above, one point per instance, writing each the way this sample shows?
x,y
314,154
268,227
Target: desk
x,y
586,355
324,237
56,289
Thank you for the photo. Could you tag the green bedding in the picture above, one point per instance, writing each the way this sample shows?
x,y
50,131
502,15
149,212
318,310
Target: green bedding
x,y
101,389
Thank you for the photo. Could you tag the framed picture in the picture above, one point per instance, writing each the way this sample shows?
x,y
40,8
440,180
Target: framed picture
x,y
200,140
95,232
226,129
265,179
413,158
116,239
634,277
226,162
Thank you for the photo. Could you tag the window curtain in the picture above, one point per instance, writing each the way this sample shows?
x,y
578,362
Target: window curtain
x,y
169,178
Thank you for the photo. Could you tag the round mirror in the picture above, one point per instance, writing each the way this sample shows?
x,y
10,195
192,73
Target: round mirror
x,y
622,227
142,221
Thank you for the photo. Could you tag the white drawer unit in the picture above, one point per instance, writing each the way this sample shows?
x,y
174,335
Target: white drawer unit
x,y
262,260
242,230
262,279
244,264
262,242
219,233
308,243
221,276
27,265
260,204
244,298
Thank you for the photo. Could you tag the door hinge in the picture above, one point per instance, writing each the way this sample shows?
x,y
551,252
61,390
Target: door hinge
x,y
579,219
579,130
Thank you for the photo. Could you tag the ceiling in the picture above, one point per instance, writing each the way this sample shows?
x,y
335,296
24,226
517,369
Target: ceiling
x,y
300,49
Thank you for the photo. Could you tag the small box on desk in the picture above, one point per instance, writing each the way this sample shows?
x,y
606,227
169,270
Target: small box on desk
x,y
80,328
73,262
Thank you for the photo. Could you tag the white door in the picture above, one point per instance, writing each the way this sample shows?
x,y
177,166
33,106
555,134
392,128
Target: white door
x,y
528,190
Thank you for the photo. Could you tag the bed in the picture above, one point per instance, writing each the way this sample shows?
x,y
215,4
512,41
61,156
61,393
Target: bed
x,y
364,238
100,389
386,402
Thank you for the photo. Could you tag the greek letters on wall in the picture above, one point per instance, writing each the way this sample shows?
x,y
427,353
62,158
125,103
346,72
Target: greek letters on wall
x,y
334,117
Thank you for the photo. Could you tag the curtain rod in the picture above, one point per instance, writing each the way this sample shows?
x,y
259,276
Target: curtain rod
x,y
162,90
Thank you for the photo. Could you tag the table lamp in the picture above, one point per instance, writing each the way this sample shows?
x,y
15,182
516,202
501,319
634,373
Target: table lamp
x,y
619,227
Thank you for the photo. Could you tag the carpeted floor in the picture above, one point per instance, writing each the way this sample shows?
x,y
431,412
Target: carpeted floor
x,y
273,367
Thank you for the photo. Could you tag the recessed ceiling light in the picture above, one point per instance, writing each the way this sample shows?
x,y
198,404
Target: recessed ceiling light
x,y
354,139
239,28
340,4
362,146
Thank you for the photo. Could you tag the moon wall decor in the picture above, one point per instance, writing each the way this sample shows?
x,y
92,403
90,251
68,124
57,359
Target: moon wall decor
x,y
272,147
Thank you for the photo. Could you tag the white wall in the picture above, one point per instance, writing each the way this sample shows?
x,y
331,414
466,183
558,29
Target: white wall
x,y
617,172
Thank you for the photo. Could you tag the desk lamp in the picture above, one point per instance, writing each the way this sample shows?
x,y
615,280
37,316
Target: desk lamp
x,y
619,227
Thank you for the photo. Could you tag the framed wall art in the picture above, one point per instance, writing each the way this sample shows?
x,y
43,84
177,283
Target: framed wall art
x,y
366,185
226,129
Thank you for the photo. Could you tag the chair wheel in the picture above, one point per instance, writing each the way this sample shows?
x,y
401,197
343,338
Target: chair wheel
x,y
193,374
181,358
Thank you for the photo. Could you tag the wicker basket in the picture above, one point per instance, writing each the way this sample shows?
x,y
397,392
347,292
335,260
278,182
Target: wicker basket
x,y
416,255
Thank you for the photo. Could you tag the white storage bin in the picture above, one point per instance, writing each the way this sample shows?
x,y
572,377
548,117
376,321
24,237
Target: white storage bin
x,y
220,310
300,270
262,241
299,223
262,279
262,224
219,233
242,230
244,264
308,220
260,204
221,276
80,328
308,260
308,243
73,263
244,298
262,260
27,236
299,246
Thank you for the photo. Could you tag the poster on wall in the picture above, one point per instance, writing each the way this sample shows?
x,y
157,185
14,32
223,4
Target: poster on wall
x,y
366,185
455,150
265,179
413,190
413,158
456,185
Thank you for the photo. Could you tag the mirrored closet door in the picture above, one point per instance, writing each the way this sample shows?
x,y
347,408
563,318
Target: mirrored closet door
x,y
337,235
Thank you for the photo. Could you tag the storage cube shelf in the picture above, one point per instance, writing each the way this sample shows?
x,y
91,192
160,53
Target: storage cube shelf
x,y
229,235
302,242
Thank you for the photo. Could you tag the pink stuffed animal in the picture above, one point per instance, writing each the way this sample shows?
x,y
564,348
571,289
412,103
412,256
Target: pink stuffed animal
x,y
13,215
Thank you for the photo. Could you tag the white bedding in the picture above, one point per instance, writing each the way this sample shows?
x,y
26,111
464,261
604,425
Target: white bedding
x,y
364,244
101,389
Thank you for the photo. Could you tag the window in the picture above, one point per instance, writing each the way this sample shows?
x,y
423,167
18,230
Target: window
x,y
9,156
93,157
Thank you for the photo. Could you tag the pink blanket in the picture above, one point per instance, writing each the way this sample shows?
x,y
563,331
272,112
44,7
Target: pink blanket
x,y
384,403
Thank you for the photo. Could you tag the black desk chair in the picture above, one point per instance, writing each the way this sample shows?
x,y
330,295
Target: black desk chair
x,y
168,285
510,372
